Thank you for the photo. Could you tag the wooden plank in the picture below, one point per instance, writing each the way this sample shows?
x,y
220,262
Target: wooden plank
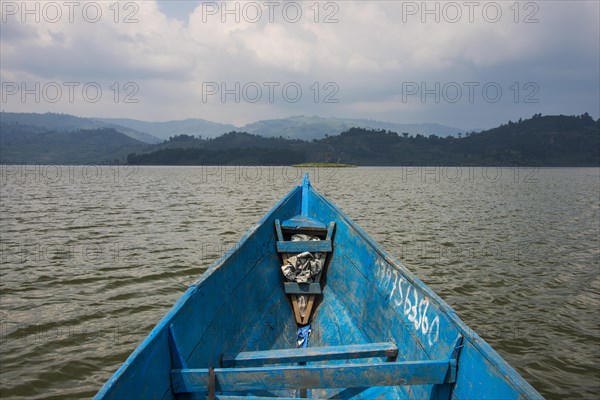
x,y
296,308
301,223
302,288
224,397
314,246
309,306
211,384
309,354
278,230
315,376
330,230
177,360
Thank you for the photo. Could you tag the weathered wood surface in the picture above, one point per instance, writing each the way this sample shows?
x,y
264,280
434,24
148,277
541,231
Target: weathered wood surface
x,y
177,360
313,246
315,376
303,223
310,354
310,302
278,230
302,288
330,231
226,397
296,308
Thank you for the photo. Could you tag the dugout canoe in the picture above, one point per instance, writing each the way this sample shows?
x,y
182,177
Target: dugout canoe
x,y
376,331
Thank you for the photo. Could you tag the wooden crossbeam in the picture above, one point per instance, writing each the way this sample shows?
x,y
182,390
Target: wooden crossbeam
x,y
315,376
302,288
255,398
303,224
308,354
313,246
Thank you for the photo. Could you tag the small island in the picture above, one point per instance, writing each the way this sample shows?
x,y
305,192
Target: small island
x,y
323,165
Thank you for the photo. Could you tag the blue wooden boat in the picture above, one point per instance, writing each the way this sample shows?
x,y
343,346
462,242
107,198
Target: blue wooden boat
x,y
376,331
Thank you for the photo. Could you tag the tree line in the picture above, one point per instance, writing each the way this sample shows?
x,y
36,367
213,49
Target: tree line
x,y
543,140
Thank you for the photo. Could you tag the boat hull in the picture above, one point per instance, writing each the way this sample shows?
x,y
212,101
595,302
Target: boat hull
x,y
239,305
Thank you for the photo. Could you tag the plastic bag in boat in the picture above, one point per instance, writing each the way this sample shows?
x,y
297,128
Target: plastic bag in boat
x,y
302,267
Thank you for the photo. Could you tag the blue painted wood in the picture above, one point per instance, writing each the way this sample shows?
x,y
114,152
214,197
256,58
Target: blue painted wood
x,y
227,397
235,317
278,230
303,223
269,328
323,246
379,322
177,360
240,304
333,326
305,193
330,230
314,376
310,354
456,354
302,288
367,254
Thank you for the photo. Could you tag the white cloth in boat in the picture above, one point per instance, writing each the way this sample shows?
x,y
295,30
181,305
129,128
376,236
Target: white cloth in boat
x,y
302,267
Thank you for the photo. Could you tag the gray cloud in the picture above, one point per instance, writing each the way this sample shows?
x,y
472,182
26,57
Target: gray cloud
x,y
371,60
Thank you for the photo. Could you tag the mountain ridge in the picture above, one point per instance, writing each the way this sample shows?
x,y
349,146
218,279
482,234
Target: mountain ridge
x,y
69,123
292,127
543,141
165,129
316,127
26,144
547,141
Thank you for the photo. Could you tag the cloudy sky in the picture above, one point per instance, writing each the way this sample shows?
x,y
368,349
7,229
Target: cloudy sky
x,y
464,64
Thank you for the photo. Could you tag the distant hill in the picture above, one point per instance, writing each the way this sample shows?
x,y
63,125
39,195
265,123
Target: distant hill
x,y
164,130
542,141
233,148
69,123
309,128
295,127
35,145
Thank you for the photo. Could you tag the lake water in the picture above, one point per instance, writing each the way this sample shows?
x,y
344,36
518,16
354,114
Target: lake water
x,y
92,258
